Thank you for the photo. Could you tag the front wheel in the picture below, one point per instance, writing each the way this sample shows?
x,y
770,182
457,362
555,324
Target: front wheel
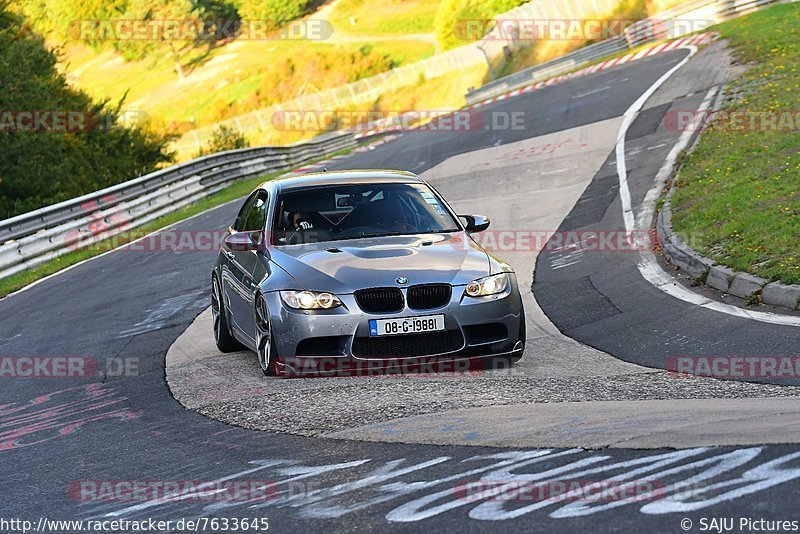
x,y
222,333
265,341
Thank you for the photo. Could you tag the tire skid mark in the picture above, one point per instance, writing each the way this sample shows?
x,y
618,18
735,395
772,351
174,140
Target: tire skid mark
x,y
59,413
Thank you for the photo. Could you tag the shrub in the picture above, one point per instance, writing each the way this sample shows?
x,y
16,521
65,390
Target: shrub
x,y
276,12
224,138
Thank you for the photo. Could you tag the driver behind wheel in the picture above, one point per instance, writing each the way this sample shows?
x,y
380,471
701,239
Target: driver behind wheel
x,y
302,220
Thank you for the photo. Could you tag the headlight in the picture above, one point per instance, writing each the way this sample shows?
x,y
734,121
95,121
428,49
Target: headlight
x,y
490,285
310,300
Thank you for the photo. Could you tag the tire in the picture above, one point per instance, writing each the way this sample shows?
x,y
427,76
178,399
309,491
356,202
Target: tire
x,y
222,333
266,349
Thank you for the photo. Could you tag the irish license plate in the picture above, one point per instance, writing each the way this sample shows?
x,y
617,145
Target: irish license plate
x,y
406,325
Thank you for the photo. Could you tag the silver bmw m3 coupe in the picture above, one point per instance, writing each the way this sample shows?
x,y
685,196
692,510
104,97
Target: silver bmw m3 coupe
x,y
347,271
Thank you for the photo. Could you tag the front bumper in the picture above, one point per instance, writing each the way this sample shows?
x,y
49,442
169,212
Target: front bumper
x,y
337,341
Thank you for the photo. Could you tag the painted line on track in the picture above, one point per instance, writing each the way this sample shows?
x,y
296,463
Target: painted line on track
x,y
648,266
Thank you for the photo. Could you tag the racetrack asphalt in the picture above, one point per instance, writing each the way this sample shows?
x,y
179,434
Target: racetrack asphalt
x,y
131,306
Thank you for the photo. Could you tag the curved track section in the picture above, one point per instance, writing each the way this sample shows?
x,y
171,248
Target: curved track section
x,y
547,173
624,314
120,313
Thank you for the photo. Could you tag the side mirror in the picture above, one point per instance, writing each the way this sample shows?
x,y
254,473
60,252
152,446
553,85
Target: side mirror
x,y
244,241
476,223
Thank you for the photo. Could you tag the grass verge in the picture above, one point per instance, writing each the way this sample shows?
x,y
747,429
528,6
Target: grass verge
x,y
384,17
737,198
232,79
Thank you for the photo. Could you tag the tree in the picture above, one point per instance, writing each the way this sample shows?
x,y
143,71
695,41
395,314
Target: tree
x,y
69,16
63,19
275,13
41,168
170,27
444,24
452,13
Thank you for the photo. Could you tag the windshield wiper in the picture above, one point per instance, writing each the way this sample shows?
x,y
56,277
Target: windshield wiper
x,y
365,236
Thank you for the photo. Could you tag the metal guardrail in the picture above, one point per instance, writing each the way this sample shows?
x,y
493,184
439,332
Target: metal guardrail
x,y
35,237
550,69
676,22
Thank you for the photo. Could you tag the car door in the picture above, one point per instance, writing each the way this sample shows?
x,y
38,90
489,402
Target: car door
x,y
238,280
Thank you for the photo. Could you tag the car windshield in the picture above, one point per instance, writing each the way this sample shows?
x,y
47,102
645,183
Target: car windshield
x,y
331,213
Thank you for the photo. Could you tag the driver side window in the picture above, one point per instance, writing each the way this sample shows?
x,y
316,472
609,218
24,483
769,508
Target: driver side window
x,y
253,214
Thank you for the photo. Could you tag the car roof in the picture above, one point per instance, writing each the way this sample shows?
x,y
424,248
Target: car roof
x,y
354,177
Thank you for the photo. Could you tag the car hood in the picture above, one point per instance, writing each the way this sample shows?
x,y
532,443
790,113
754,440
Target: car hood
x,y
345,266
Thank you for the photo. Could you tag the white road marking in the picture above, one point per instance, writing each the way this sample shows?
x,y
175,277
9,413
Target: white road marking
x,y
492,487
260,466
591,92
660,145
648,266
556,171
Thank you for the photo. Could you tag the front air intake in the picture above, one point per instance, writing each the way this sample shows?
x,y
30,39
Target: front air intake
x,y
429,296
380,300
